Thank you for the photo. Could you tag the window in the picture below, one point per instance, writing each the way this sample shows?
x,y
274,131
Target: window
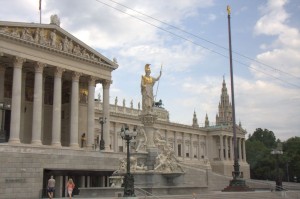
x,y
179,149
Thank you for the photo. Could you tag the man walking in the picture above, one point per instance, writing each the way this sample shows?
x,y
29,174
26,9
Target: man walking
x,y
51,187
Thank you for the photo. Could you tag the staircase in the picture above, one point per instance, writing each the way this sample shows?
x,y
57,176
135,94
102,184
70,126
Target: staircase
x,y
226,195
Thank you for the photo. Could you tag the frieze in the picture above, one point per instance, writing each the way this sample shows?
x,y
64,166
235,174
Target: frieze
x,y
50,38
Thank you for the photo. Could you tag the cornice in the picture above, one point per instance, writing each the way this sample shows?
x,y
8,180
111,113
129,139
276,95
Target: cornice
x,y
8,30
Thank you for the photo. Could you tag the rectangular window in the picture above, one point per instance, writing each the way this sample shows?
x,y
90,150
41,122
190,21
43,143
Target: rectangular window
x,y
187,150
195,151
179,150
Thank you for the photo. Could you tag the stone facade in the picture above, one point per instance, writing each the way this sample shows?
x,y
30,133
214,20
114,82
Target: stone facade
x,y
48,77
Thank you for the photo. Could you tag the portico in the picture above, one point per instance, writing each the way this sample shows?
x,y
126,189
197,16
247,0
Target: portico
x,y
50,83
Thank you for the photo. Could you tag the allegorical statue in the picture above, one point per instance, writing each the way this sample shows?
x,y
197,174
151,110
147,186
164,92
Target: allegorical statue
x,y
147,84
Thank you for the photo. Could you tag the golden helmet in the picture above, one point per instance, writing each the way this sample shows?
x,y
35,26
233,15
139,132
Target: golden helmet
x,y
147,68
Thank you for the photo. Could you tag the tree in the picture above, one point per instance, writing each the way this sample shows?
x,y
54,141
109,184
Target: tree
x,y
291,152
262,164
258,149
265,136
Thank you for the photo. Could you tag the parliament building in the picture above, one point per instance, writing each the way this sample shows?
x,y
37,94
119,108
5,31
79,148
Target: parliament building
x,y
47,102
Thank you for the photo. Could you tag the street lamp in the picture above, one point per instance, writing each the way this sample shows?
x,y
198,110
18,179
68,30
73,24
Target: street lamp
x,y
3,107
128,179
278,151
102,143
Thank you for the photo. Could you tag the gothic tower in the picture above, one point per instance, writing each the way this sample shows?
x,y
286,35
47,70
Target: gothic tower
x,y
206,121
224,117
195,120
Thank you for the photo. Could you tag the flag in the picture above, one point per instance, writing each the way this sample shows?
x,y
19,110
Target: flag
x,y
40,5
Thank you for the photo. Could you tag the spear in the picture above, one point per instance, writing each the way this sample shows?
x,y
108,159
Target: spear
x,y
158,83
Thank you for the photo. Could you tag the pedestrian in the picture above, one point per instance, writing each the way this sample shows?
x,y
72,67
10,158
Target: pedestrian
x,y
70,186
83,140
51,187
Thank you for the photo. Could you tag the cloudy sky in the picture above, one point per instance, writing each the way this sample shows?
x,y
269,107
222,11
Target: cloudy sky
x,y
190,39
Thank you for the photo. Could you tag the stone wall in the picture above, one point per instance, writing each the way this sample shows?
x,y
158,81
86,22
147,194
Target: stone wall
x,y
22,166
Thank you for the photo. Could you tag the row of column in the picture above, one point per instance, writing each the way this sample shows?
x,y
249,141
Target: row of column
x,y
57,100
230,149
201,145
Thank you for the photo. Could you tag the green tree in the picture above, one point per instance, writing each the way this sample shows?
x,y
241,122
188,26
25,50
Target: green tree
x,y
258,148
265,136
291,159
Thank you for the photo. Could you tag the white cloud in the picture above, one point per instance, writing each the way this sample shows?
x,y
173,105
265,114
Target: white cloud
x,y
262,104
284,52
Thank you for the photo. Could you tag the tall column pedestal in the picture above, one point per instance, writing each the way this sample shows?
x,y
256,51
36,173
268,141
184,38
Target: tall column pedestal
x,y
148,120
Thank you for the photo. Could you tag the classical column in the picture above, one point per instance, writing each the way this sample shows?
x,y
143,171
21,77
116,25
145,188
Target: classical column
x,y
74,110
175,144
231,148
199,147
2,76
115,129
166,137
205,146
221,148
183,146
15,120
106,125
244,150
37,104
240,149
226,147
191,147
91,113
23,137
56,113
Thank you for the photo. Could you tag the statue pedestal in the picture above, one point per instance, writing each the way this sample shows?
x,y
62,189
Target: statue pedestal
x,y
148,121
151,158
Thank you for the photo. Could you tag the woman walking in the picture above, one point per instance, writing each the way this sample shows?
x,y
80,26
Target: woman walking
x,y
70,186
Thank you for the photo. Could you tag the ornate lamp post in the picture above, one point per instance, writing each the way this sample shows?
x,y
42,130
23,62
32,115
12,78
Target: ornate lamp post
x,y
3,107
102,143
278,151
128,179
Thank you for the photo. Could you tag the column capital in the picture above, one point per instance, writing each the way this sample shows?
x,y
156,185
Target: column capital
x,y
106,83
39,67
18,62
92,80
76,76
58,72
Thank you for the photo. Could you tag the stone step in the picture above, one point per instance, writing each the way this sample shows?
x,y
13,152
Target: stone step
x,y
217,195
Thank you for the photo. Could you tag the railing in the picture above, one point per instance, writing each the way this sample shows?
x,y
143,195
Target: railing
x,y
145,193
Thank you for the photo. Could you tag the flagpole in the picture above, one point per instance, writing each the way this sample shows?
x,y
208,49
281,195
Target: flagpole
x,y
40,8
237,183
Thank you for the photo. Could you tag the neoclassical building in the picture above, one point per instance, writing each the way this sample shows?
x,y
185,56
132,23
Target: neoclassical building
x,y
47,89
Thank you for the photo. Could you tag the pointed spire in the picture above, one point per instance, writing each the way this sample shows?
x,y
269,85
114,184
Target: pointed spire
x,y
225,112
206,121
195,120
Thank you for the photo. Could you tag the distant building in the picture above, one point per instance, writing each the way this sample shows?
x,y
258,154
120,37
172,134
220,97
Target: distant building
x,y
48,77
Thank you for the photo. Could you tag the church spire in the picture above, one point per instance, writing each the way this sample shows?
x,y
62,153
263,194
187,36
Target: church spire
x,y
225,109
206,121
195,120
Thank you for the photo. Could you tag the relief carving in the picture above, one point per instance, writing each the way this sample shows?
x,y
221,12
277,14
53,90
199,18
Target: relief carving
x,y
51,38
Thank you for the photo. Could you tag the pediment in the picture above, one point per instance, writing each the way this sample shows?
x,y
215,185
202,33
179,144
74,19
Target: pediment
x,y
53,38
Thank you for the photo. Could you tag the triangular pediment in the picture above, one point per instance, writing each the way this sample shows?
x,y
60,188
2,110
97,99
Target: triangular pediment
x,y
54,38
